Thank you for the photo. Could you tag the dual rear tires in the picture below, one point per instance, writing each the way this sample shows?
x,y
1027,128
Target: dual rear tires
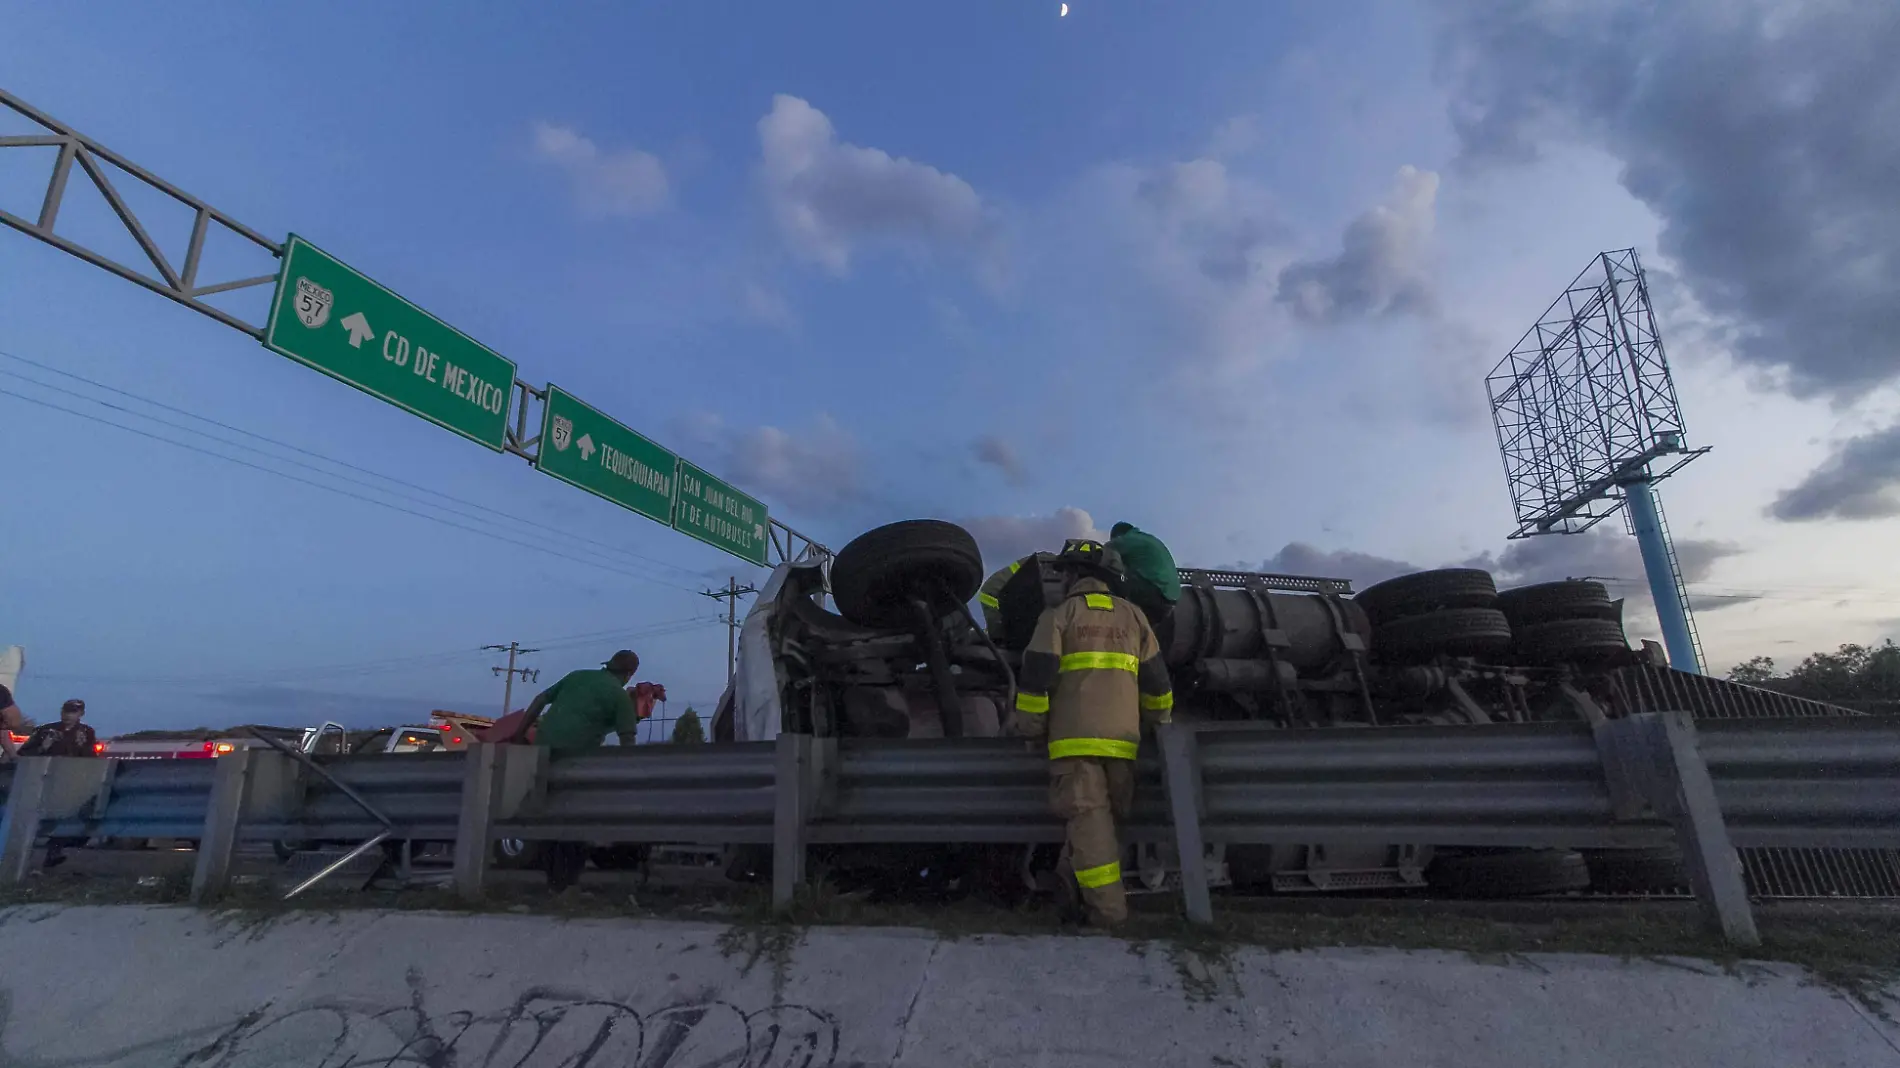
x,y
1459,612
1448,612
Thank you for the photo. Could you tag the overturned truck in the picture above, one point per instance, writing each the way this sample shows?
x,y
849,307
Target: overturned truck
x,y
904,657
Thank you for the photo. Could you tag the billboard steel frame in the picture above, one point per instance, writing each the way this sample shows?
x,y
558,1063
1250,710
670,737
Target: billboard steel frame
x,y
1588,422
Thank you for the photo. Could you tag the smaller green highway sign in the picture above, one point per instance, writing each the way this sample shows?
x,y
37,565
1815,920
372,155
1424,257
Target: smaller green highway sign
x,y
586,449
329,316
719,515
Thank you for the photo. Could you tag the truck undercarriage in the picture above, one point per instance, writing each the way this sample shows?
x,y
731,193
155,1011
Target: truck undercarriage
x,y
904,657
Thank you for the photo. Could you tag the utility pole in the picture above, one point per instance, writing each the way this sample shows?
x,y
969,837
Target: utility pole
x,y
513,649
731,595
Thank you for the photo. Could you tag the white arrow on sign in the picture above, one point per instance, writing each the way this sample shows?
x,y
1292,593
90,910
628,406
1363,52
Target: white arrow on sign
x,y
587,446
359,329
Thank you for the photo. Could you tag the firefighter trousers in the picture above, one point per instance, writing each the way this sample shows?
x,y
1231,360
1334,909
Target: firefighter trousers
x,y
1090,793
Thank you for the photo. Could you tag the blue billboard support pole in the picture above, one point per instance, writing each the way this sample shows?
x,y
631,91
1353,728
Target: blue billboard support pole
x,y
1660,568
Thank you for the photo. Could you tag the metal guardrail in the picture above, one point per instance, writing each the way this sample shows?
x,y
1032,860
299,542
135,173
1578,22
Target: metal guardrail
x,y
1649,688
1645,780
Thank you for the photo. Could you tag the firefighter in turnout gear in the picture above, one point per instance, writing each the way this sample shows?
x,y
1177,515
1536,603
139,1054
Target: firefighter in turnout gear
x,y
1090,677
989,593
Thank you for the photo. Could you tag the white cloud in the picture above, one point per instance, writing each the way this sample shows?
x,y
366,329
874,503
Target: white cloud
x,y
1011,537
1204,250
813,468
1237,136
1381,267
623,183
763,304
1198,244
828,196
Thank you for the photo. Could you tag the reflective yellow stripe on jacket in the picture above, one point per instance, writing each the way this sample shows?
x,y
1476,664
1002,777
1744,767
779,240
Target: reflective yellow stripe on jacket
x,y
1102,875
987,599
1036,704
1104,661
1092,747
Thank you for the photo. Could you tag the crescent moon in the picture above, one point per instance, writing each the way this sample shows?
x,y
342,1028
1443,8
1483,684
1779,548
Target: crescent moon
x,y
1065,11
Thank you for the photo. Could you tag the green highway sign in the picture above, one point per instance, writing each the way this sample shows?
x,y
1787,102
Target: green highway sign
x,y
719,515
328,316
584,448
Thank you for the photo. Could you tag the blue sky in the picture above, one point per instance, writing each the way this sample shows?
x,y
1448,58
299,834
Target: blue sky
x,y
1231,271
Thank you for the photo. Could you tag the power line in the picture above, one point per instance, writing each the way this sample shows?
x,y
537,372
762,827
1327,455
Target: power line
x,y
658,629
731,595
312,453
343,492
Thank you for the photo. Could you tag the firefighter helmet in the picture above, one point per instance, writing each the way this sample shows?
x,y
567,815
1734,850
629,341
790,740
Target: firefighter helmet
x,y
1086,555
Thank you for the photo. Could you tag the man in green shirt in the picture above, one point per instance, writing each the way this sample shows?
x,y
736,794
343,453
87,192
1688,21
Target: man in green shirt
x,y
1152,581
587,704
574,716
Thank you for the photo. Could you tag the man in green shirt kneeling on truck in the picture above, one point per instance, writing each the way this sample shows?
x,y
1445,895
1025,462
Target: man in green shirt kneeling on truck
x,y
1151,580
575,715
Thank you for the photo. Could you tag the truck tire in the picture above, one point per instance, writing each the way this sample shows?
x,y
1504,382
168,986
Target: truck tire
x,y
1577,641
1550,601
618,857
516,854
1653,870
1447,632
1427,591
875,577
1508,873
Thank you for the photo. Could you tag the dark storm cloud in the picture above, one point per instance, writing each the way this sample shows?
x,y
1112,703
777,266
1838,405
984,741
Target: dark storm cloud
x,y
1598,553
1364,569
1857,482
1765,137
997,452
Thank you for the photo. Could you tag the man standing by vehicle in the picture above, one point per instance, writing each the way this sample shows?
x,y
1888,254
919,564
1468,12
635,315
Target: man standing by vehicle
x,y
580,710
1091,675
1152,581
11,719
67,738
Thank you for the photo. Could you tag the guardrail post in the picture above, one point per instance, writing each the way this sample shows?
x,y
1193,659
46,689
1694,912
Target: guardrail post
x,y
1181,772
21,823
218,840
475,825
793,805
1657,751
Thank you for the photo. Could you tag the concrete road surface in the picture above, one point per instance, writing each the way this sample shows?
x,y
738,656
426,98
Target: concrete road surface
x,y
139,987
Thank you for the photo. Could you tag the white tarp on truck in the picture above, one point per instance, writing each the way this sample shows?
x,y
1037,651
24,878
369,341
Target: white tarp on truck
x,y
753,695
12,662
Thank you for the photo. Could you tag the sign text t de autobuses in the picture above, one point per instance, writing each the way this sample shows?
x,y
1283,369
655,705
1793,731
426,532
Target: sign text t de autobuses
x,y
740,510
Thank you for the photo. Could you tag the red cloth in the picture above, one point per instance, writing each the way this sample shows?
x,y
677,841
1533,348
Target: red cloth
x,y
645,694
503,729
